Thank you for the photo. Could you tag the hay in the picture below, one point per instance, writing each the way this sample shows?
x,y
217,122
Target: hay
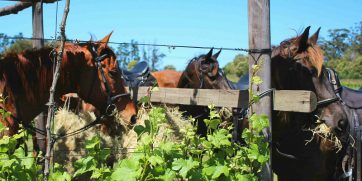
x,y
70,149
327,137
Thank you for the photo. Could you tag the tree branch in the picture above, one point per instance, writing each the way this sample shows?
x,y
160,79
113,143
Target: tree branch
x,y
15,8
51,109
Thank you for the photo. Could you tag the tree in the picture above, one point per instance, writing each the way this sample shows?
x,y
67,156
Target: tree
x,y
356,38
169,67
127,53
238,67
13,45
343,51
153,56
4,42
338,43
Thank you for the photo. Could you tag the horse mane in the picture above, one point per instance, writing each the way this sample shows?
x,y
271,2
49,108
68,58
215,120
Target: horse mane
x,y
31,72
195,59
312,56
27,70
316,57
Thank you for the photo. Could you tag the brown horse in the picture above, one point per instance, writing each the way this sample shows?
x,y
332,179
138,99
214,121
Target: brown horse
x,y
203,72
167,78
297,64
88,69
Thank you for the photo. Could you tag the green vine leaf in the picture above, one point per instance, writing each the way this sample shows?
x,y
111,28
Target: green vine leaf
x,y
184,166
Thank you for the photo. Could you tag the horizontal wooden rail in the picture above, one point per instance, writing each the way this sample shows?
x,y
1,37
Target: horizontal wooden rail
x,y
283,100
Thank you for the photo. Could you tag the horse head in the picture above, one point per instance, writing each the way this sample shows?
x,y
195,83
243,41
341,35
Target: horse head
x,y
88,69
204,72
298,64
101,83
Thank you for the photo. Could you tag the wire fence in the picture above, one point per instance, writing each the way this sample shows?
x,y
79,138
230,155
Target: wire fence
x,y
170,46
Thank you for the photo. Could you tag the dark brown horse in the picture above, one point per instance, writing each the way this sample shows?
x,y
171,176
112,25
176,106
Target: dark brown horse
x,y
203,72
297,64
352,101
88,69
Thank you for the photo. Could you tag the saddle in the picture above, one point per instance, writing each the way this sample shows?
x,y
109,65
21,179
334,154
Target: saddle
x,y
352,98
138,73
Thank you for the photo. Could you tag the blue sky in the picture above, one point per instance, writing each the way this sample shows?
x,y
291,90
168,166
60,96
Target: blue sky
x,y
218,23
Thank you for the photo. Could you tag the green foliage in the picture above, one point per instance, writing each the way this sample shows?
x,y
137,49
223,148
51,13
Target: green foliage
x,y
238,67
15,162
352,83
347,69
19,46
337,44
343,51
194,158
59,174
12,45
94,162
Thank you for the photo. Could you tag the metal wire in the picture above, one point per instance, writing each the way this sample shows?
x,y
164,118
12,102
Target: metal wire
x,y
262,51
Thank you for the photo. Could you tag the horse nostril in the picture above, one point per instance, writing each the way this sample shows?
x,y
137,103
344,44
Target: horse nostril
x,y
342,124
134,119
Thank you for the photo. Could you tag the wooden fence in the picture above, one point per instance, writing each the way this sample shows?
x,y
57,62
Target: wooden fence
x,y
283,100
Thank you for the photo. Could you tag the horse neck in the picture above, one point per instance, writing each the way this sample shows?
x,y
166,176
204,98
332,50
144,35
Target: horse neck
x,y
29,88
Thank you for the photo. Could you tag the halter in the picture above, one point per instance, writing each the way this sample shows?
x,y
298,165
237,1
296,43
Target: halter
x,y
334,81
110,98
202,72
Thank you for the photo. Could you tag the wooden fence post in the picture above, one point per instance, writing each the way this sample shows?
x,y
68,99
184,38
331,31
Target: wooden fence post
x,y
38,42
259,38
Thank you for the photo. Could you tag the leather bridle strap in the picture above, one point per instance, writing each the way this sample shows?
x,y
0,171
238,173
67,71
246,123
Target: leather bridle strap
x,y
333,79
328,101
110,98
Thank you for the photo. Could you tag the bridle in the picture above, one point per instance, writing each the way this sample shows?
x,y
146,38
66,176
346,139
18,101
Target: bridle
x,y
207,71
334,81
110,109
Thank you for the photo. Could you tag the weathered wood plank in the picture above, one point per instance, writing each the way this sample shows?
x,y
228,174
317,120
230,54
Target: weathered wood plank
x,y
284,100
202,97
295,101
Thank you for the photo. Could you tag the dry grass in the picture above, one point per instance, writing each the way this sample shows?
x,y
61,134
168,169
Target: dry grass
x,y
323,132
70,149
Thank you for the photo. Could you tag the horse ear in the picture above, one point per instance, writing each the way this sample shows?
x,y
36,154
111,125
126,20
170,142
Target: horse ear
x,y
217,54
314,38
208,55
303,40
103,43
